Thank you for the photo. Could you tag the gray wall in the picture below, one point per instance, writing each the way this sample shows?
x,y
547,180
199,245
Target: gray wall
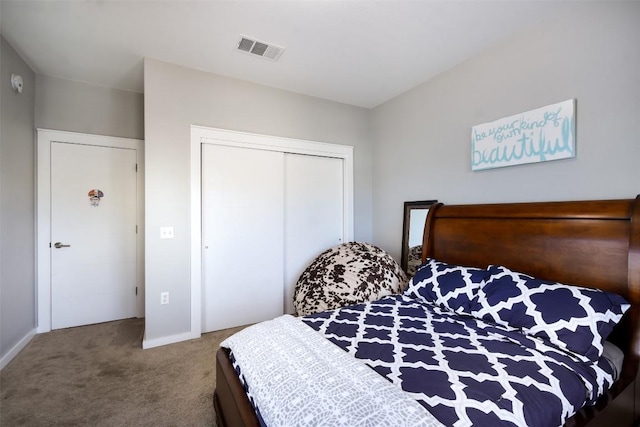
x,y
177,97
17,195
87,108
422,138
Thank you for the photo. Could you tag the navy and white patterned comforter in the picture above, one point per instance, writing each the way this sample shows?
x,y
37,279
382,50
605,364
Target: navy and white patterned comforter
x,y
463,370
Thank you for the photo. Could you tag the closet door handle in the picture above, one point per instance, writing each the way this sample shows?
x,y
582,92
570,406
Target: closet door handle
x,y
59,245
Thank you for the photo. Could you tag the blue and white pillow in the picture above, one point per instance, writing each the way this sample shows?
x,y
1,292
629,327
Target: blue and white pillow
x,y
451,287
573,318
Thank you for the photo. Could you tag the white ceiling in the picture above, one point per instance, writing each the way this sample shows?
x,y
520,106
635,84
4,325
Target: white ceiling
x,y
356,52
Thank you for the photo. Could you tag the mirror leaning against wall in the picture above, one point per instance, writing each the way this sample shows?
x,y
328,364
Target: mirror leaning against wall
x,y
415,216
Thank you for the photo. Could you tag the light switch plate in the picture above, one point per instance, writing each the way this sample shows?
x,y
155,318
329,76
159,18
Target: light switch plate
x,y
166,232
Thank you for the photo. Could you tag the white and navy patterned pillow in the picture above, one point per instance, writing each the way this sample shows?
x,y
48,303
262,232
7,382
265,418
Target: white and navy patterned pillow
x,y
452,287
573,318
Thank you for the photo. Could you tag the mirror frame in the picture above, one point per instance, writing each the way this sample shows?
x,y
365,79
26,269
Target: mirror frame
x,y
408,207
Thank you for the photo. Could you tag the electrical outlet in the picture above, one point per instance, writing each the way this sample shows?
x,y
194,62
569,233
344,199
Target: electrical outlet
x,y
166,232
164,298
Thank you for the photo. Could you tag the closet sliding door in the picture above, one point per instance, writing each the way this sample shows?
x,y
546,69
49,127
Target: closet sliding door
x,y
243,232
313,214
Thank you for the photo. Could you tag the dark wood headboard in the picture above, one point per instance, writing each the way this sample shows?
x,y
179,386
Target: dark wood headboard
x,y
586,243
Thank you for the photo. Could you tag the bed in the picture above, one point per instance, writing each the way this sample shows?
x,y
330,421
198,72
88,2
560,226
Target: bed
x,y
593,244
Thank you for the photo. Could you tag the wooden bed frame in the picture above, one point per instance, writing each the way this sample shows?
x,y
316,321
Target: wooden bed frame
x,y
588,243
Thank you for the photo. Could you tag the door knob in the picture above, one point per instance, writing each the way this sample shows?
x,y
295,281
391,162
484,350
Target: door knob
x,y
59,245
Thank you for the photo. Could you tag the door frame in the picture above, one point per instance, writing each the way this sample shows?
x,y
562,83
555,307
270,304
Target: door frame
x,y
43,213
207,135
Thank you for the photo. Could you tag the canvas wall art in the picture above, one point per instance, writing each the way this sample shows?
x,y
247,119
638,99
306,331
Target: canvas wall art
x,y
539,135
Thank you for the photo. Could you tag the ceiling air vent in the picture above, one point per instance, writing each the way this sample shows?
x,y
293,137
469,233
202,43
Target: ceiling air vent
x,y
262,49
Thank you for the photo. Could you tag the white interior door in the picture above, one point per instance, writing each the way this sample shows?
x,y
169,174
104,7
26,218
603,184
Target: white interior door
x,y
242,229
314,221
93,275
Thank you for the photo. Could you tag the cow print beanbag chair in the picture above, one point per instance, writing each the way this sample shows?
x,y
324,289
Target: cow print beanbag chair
x,y
347,274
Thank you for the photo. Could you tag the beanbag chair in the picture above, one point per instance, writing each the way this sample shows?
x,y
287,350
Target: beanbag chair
x,y
347,274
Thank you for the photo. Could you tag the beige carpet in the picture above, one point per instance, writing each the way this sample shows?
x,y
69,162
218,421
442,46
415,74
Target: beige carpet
x,y
98,375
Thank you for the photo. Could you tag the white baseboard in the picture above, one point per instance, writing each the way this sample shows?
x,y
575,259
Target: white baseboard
x,y
4,361
171,339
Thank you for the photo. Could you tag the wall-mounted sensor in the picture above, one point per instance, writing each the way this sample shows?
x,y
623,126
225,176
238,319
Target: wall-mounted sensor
x,y
16,82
